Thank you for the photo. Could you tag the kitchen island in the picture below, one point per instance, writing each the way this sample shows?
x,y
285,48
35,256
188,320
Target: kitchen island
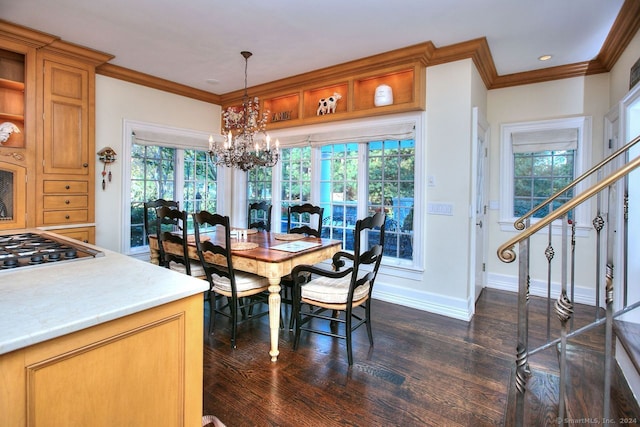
x,y
101,341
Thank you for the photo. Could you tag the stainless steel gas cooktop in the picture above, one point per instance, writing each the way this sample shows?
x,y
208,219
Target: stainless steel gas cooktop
x,y
35,248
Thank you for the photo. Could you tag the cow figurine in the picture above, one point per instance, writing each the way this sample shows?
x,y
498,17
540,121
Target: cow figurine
x,y
328,105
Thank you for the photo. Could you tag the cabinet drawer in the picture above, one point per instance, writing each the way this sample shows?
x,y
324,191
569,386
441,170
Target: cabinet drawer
x,y
51,186
65,217
65,202
84,234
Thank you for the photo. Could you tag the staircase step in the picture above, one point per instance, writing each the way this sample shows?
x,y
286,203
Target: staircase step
x,y
584,393
585,388
628,334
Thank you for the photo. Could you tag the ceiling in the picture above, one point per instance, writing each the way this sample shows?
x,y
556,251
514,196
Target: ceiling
x,y
198,42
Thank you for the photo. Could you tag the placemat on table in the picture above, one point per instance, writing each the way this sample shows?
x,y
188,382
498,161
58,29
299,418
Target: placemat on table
x,y
243,246
288,237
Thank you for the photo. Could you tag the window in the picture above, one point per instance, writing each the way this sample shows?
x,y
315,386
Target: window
x,y
295,180
259,183
352,172
169,164
152,177
339,191
537,175
538,159
391,186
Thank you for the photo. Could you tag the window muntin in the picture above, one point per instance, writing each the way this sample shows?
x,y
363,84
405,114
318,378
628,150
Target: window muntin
x,y
259,184
153,176
200,186
391,171
295,187
539,175
339,191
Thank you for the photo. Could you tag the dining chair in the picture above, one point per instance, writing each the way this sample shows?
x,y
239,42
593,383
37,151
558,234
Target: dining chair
x,y
149,219
300,219
345,291
176,235
242,290
259,216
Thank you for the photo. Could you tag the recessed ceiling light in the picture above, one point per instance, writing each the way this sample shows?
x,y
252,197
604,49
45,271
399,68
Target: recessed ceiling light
x,y
213,81
545,57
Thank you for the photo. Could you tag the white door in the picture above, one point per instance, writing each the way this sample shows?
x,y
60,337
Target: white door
x,y
480,134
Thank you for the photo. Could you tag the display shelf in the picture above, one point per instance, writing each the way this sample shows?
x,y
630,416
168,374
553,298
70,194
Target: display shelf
x,y
283,108
11,84
294,101
401,83
311,97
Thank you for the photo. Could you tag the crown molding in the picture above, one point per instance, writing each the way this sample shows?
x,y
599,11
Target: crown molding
x,y
622,32
131,76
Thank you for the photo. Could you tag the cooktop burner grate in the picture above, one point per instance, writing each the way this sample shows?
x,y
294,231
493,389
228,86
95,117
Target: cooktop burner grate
x,y
31,249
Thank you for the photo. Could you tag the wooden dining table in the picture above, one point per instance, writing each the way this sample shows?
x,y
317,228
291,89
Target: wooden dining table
x,y
269,259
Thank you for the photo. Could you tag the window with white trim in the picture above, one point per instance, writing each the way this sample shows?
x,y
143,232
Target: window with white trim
x,y
169,164
352,172
295,181
539,159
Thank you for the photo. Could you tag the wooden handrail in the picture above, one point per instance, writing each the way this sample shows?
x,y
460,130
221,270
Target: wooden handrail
x,y
519,224
506,252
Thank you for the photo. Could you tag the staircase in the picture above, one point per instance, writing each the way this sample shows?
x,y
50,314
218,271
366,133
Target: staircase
x,y
589,386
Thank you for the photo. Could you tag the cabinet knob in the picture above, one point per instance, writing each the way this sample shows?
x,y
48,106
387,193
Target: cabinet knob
x,y
66,217
67,202
86,165
67,187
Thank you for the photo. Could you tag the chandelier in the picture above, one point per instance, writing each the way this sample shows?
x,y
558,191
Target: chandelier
x,y
246,142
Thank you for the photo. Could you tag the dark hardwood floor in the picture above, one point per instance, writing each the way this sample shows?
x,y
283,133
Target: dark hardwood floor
x,y
424,370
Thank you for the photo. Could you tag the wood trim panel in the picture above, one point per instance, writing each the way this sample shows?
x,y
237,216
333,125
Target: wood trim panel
x,y
622,32
23,35
131,76
420,53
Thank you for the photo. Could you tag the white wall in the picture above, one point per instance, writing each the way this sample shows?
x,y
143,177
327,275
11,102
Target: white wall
x,y
580,96
117,100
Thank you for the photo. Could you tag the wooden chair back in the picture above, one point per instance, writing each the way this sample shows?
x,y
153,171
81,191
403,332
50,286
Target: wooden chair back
x,y
298,214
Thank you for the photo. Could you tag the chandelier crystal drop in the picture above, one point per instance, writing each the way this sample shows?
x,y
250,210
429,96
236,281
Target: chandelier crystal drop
x,y
246,142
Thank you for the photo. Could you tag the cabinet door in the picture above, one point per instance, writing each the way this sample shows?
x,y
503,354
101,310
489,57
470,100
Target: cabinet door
x,y
66,118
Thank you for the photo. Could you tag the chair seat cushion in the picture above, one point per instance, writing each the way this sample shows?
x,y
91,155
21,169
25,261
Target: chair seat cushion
x,y
332,291
196,268
244,282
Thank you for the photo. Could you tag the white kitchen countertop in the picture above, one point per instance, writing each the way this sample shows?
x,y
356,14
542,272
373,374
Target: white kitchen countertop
x,y
48,301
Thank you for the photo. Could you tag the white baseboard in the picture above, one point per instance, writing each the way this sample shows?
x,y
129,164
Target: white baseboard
x,y
504,282
456,308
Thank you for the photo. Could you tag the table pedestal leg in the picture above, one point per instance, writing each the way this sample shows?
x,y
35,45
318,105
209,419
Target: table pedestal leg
x,y
274,316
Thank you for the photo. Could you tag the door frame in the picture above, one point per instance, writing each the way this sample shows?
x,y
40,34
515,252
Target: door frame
x,y
480,134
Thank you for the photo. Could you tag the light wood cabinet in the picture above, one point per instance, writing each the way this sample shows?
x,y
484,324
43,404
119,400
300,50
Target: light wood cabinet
x,y
295,102
141,370
48,87
67,145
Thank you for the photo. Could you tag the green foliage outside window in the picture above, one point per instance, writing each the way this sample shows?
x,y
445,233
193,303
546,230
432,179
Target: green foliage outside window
x,y
539,175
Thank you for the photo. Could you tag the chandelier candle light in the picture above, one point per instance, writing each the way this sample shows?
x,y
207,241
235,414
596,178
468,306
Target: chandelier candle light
x,y
246,142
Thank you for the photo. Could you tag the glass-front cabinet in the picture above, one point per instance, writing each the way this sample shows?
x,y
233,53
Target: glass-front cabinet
x,y
15,147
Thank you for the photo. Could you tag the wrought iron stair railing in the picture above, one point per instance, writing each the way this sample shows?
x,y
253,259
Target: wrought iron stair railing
x,y
605,190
